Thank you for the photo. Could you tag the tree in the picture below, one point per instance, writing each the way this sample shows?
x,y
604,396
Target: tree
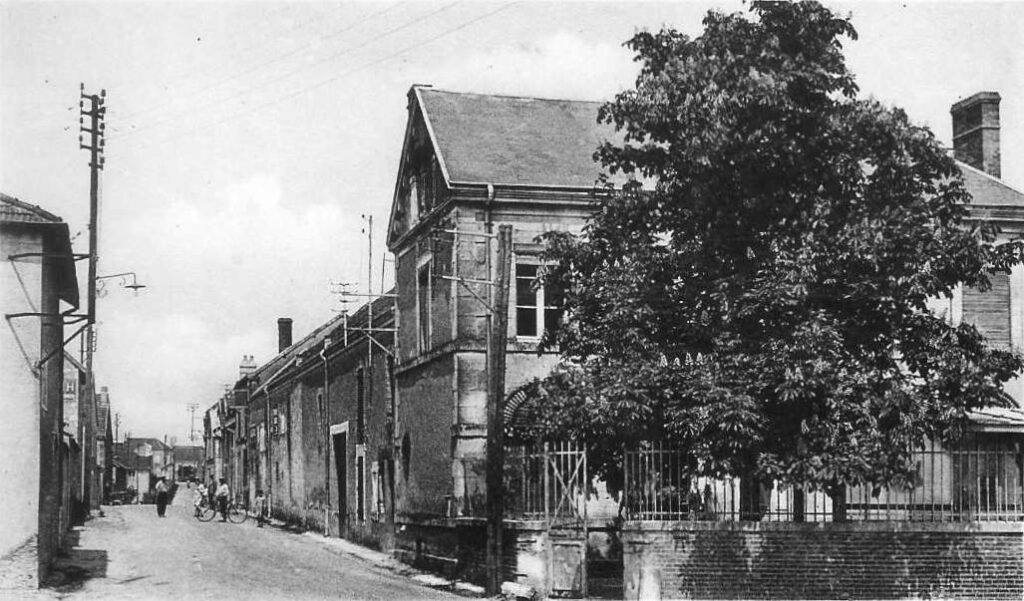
x,y
764,306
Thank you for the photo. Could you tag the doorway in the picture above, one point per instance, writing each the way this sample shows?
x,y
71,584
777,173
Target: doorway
x,y
341,467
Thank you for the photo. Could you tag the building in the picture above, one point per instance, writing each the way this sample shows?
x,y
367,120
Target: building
x,y
373,426
103,467
76,505
188,462
38,291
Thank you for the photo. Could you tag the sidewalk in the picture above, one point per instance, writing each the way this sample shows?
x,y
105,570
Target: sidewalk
x,y
389,563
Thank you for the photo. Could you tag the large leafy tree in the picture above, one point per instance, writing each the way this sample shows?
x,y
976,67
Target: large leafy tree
x,y
765,306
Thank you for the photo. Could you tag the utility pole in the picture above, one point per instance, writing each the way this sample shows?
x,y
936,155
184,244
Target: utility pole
x,y
369,289
117,424
495,409
95,129
192,422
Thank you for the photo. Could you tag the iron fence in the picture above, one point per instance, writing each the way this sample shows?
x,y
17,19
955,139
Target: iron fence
x,y
546,481
979,480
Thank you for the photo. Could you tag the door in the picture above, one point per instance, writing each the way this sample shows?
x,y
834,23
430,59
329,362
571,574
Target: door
x,y
341,466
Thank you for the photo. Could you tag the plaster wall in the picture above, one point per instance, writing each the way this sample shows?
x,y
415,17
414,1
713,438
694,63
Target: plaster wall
x,y
20,388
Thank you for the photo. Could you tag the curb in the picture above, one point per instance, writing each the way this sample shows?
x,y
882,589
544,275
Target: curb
x,y
385,561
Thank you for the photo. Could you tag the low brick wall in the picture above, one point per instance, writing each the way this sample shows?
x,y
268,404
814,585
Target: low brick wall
x,y
874,560
455,548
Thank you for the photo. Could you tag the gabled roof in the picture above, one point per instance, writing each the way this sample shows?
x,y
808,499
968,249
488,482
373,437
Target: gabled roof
x,y
155,443
14,210
510,140
989,190
266,372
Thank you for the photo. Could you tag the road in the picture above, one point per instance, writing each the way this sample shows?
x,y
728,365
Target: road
x,y
132,554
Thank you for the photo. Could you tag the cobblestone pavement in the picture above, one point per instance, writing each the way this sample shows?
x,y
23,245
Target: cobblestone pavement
x,y
132,554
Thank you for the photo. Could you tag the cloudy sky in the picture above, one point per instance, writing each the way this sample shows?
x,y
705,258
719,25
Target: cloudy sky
x,y
245,141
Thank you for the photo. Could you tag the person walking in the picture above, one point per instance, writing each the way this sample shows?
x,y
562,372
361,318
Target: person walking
x,y
223,495
161,497
261,508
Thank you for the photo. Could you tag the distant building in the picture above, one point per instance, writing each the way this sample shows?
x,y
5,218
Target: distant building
x,y
188,461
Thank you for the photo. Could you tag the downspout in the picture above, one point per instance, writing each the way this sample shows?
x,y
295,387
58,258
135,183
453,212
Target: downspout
x,y
325,413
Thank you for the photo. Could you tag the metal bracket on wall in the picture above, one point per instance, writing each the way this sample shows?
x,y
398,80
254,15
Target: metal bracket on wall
x,y
75,256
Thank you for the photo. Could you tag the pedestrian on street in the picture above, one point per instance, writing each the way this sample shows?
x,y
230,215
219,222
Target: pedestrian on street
x,y
161,497
223,494
198,498
261,508
211,490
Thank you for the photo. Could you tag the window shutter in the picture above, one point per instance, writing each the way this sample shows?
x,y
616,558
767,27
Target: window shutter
x,y
990,311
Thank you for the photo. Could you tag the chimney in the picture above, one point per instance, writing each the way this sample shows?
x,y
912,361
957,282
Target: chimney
x,y
976,132
247,366
284,333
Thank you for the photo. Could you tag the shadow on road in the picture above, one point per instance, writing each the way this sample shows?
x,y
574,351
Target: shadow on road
x,y
74,568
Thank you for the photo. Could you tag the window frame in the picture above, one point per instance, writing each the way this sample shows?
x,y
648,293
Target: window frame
x,y
540,306
424,303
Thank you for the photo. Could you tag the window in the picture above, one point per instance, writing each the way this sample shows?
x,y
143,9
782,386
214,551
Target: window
x,y
423,305
376,496
537,309
414,202
989,311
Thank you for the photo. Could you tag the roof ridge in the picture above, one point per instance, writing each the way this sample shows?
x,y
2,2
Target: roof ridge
x,y
429,88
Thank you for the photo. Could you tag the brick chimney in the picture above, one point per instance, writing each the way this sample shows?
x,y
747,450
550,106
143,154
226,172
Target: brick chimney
x,y
284,333
976,132
247,366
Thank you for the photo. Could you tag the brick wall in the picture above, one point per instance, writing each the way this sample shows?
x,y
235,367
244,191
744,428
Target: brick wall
x,y
729,560
455,548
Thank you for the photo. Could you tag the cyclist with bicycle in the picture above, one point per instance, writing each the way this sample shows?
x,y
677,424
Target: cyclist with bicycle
x,y
223,496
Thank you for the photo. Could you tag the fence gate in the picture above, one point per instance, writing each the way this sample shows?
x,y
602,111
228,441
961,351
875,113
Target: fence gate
x,y
548,482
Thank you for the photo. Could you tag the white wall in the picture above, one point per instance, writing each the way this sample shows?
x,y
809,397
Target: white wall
x,y
20,291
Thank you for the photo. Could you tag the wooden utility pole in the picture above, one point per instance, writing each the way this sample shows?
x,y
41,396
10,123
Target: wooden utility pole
x,y
495,409
95,130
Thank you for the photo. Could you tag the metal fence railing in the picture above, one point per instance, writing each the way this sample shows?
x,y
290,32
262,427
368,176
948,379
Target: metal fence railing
x,y
978,480
546,481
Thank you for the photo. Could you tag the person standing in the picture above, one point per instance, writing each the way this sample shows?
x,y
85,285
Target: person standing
x,y
223,494
261,508
211,490
161,497
199,498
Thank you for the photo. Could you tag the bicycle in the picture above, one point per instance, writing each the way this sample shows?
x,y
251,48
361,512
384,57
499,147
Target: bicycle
x,y
235,514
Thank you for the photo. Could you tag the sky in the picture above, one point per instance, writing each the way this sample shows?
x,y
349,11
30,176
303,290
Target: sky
x,y
247,140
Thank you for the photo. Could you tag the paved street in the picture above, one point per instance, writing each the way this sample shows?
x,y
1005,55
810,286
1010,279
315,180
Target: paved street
x,y
132,554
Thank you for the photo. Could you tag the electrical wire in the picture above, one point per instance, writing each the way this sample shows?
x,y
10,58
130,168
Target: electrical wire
x,y
176,117
322,83
267,62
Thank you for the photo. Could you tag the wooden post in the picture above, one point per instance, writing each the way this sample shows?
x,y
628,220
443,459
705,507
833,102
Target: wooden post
x,y
495,407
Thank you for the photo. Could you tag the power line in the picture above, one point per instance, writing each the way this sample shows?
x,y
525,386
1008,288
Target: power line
x,y
189,68
322,83
175,117
267,62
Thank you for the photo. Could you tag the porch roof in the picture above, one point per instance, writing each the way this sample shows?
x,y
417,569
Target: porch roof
x,y
997,419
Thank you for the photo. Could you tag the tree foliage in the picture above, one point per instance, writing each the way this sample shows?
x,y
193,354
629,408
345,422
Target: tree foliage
x,y
764,305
